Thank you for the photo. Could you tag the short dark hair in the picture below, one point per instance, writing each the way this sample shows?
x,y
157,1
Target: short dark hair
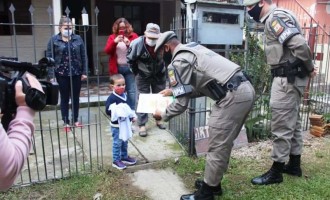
x,y
115,77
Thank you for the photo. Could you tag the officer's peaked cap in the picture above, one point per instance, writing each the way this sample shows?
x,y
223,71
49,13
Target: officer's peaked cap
x,y
164,37
250,2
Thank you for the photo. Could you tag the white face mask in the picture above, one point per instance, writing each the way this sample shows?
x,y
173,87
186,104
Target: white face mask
x,y
66,33
151,42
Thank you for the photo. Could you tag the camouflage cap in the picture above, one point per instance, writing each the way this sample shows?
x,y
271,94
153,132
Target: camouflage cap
x,y
250,2
164,37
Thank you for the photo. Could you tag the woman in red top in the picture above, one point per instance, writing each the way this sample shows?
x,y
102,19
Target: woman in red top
x,y
116,47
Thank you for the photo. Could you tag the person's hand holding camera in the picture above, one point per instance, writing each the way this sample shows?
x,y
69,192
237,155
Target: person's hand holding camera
x,y
19,94
15,143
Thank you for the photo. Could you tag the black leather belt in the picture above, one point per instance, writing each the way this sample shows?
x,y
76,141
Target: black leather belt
x,y
278,72
235,81
284,71
219,91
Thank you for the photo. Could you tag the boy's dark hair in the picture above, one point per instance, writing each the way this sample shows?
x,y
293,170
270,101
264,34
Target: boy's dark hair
x,y
115,77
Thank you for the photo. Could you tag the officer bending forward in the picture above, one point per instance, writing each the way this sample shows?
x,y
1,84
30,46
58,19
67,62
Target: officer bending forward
x,y
197,71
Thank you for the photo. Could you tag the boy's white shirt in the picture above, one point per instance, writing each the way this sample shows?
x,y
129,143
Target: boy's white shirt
x,y
122,113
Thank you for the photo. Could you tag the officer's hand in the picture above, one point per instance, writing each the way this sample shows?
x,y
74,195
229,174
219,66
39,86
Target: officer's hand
x,y
166,92
157,115
314,72
134,119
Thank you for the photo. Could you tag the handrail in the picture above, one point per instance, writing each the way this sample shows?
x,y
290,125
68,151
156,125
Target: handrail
x,y
312,18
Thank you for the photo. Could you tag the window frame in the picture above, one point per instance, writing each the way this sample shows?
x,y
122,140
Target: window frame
x,y
22,15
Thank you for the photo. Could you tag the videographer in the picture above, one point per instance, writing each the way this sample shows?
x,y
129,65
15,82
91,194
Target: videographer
x,y
16,143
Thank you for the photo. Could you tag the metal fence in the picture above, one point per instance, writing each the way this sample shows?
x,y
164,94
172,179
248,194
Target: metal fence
x,y
56,154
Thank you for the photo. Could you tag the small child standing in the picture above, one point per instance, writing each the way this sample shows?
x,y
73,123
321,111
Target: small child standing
x,y
121,116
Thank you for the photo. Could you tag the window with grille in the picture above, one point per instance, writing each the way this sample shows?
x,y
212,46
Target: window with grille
x,y
21,16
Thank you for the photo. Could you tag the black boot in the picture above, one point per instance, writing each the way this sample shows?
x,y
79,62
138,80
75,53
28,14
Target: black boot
x,y
203,193
293,166
217,190
274,175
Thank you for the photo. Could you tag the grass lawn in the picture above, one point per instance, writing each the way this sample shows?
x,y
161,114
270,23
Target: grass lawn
x,y
113,184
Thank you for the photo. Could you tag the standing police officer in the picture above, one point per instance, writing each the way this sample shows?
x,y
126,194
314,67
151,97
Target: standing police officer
x,y
197,71
291,66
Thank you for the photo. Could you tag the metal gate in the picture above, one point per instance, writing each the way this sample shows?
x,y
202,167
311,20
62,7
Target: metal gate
x,y
56,154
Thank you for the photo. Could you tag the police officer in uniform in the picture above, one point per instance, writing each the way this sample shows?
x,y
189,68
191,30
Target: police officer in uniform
x,y
197,71
291,66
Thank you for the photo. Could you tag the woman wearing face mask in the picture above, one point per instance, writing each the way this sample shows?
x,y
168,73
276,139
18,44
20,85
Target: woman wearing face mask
x,y
149,68
68,51
117,47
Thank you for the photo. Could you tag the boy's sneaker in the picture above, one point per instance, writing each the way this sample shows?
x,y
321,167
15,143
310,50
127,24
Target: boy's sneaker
x,y
129,161
119,165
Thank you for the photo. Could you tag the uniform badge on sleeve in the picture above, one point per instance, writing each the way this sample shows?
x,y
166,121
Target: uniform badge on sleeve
x,y
171,76
277,27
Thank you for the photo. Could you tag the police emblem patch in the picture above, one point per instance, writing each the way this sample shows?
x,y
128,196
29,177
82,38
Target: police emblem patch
x,y
277,27
171,76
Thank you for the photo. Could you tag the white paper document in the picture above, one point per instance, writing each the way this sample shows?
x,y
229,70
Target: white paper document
x,y
148,103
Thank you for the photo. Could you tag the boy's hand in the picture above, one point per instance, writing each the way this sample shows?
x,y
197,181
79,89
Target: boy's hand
x,y
134,119
157,115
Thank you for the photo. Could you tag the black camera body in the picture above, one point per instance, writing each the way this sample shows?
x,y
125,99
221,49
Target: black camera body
x,y
11,71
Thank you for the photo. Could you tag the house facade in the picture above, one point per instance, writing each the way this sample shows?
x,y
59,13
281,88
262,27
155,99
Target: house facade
x,y
28,42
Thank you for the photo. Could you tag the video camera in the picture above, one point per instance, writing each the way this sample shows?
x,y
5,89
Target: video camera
x,y
11,71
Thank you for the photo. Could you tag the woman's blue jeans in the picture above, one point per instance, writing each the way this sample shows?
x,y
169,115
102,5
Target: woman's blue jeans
x,y
119,147
126,71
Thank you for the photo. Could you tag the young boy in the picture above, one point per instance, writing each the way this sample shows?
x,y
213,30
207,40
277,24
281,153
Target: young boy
x,y
121,117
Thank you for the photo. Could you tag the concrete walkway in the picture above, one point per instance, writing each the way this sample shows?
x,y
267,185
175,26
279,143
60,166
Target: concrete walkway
x,y
57,154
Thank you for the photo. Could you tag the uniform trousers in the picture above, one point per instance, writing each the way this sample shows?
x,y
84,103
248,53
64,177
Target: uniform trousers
x,y
286,123
226,120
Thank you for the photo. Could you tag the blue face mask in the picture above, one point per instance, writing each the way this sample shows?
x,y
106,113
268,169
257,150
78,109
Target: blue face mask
x,y
255,12
66,33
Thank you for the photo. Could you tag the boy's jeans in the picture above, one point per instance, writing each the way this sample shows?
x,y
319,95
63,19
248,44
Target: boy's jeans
x,y
119,147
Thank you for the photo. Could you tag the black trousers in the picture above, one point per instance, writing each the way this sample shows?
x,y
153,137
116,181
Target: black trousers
x,y
65,84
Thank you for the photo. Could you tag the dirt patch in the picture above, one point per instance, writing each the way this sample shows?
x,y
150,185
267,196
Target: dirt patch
x,y
262,150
